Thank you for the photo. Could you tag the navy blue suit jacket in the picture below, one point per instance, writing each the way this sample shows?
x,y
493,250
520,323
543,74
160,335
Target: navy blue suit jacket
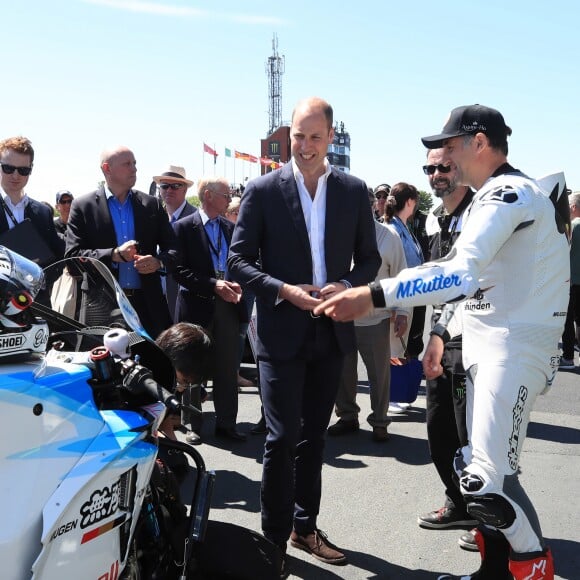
x,y
271,228
195,273
170,283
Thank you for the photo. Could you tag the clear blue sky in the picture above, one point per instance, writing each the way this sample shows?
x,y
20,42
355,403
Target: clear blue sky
x,y
162,77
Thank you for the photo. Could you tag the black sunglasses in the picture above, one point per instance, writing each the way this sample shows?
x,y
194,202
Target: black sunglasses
x,y
172,186
430,169
65,202
10,169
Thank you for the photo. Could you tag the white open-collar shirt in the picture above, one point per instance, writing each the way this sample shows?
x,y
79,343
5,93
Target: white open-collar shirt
x,y
314,211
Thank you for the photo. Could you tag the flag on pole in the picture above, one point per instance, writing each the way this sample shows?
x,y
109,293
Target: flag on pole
x,y
228,152
208,149
246,157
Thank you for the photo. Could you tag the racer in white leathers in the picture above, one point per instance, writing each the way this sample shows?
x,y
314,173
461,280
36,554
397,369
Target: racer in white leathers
x,y
507,253
510,267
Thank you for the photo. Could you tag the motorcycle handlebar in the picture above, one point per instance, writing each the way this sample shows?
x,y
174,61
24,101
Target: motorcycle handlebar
x,y
138,380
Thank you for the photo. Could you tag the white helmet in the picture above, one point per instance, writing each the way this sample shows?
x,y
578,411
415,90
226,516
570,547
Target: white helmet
x,y
20,281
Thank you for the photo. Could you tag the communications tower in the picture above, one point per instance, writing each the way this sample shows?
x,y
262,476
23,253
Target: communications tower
x,y
275,70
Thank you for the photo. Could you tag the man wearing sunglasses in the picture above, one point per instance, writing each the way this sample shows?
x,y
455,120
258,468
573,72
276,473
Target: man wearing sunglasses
x,y
381,193
129,232
16,160
445,418
173,186
63,202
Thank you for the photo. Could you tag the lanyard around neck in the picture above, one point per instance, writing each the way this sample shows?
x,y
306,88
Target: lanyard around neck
x,y
216,250
8,211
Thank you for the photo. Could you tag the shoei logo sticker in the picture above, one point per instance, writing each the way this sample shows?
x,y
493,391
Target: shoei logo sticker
x,y
11,342
518,413
421,286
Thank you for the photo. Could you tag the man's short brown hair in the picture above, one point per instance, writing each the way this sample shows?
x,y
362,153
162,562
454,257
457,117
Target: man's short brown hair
x,y
19,144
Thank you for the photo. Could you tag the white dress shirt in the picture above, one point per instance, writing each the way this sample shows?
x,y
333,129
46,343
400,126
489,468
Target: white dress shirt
x,y
314,211
17,210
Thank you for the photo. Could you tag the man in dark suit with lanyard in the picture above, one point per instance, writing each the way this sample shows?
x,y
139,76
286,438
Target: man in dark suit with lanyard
x,y
312,228
128,231
173,186
207,296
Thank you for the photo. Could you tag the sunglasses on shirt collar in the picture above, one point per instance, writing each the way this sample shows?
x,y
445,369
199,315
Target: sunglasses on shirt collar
x,y
10,169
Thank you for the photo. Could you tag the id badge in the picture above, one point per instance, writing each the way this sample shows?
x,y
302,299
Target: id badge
x,y
220,274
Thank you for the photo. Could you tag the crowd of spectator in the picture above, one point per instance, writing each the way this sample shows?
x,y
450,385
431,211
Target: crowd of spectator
x,y
273,252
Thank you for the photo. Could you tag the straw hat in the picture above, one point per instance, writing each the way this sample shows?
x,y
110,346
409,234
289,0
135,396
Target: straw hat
x,y
174,174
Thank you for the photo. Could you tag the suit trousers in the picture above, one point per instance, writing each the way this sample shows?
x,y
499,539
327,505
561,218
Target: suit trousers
x,y
572,334
298,396
415,344
446,432
224,332
373,343
154,324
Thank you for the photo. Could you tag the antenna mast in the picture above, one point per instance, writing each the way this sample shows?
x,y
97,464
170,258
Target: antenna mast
x,y
274,70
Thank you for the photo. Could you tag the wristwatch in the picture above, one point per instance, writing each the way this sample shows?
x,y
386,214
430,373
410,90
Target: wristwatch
x,y
440,331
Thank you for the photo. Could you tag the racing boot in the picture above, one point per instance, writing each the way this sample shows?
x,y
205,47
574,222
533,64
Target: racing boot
x,y
494,550
532,565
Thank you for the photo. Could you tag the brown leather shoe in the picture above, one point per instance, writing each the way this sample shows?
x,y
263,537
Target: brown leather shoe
x,y
318,545
380,434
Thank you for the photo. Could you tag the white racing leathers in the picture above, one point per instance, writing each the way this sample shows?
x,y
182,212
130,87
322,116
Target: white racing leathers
x,y
510,267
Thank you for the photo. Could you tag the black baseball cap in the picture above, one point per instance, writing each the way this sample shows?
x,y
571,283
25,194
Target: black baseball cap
x,y
63,193
469,120
382,188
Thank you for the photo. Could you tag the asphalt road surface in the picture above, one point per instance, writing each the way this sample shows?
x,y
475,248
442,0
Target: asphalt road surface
x,y
373,492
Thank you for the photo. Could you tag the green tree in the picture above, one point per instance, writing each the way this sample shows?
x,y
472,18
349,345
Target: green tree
x,y
193,200
425,201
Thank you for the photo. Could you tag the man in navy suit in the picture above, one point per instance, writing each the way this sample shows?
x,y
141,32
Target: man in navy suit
x,y
207,296
173,186
312,228
16,161
129,231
